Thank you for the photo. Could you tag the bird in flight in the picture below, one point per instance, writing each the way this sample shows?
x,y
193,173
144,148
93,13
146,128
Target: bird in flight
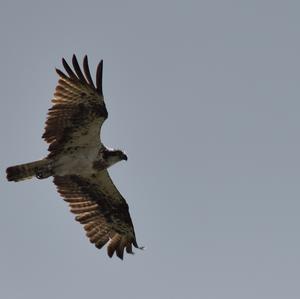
x,y
78,160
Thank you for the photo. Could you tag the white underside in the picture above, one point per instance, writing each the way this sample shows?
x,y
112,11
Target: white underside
x,y
79,162
88,143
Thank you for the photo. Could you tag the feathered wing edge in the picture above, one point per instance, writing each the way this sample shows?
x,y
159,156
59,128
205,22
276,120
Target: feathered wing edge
x,y
76,102
104,220
86,77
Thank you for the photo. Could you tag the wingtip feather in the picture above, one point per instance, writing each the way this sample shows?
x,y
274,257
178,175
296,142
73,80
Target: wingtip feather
x,y
86,70
99,75
77,69
60,73
68,69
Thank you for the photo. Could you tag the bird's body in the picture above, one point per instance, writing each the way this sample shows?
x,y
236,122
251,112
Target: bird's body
x,y
78,160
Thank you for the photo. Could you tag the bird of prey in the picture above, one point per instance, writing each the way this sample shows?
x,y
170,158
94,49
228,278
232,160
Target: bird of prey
x,y
78,160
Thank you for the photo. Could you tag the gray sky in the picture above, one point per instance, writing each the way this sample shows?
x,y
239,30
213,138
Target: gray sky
x,y
204,98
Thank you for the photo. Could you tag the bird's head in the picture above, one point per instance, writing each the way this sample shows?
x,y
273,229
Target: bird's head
x,y
113,156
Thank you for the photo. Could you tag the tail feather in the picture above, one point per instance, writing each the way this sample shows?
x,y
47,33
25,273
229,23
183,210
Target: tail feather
x,y
26,171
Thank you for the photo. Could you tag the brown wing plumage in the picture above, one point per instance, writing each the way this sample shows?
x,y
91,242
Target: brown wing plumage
x,y
101,209
79,110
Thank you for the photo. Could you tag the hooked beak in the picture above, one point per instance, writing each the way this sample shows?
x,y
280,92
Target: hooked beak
x,y
124,157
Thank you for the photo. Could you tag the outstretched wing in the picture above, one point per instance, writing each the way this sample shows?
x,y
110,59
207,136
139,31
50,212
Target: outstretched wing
x,y
101,209
79,110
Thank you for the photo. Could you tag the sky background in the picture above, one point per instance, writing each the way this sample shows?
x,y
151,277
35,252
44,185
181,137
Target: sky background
x,y
204,97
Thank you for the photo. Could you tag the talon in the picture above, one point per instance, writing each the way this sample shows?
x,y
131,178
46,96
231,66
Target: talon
x,y
39,175
45,172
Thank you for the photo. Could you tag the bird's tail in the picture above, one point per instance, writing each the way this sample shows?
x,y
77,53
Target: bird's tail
x,y
41,169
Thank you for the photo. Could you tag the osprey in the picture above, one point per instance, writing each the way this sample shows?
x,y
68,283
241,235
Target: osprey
x,y
78,161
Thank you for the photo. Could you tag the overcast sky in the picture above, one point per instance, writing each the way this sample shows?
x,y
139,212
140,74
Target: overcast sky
x,y
204,98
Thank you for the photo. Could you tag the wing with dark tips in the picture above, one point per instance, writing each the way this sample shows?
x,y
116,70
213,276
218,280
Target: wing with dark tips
x,y
102,210
78,110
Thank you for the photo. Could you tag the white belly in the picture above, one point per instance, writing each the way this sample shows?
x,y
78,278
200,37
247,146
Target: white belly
x,y
78,163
